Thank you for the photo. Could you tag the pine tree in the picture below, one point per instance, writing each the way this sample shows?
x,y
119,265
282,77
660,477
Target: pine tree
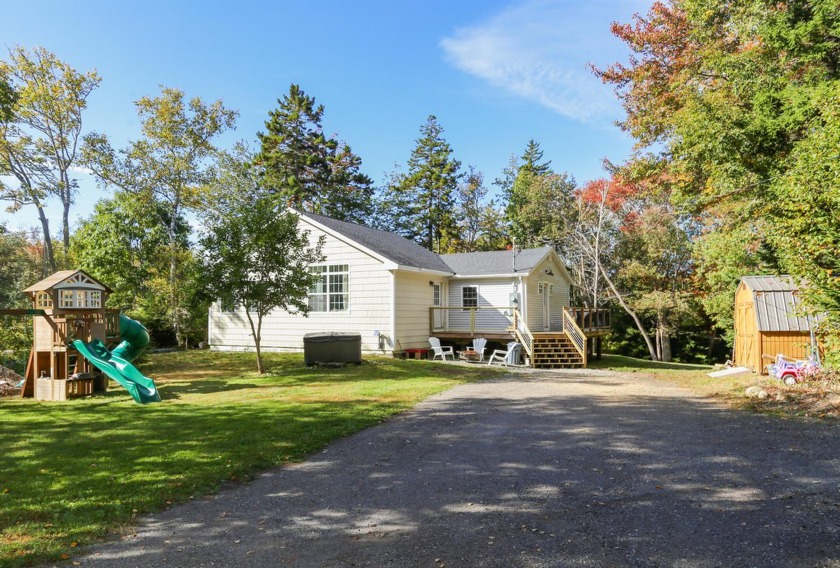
x,y
423,199
305,168
531,160
529,175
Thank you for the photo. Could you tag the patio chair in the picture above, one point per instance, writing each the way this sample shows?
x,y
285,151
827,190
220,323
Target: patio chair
x,y
441,352
479,343
506,357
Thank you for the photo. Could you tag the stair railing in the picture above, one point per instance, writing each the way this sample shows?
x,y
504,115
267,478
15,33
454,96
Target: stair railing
x,y
574,333
523,334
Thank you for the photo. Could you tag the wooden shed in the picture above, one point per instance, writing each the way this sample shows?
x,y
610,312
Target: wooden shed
x,y
769,321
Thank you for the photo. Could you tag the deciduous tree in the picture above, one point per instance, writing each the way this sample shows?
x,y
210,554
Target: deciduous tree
x,y
40,133
169,166
255,257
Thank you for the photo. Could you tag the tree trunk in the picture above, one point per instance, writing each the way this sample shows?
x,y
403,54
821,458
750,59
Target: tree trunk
x,y
65,228
173,271
631,313
256,334
663,338
48,245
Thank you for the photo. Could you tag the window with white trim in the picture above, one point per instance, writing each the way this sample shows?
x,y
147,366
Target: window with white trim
x,y
469,296
331,291
540,288
69,299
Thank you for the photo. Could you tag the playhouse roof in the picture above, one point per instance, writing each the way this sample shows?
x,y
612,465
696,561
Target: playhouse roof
x,y
83,279
777,306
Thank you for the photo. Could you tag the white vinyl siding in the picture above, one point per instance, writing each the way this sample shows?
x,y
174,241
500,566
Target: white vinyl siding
x,y
368,308
558,290
491,293
414,298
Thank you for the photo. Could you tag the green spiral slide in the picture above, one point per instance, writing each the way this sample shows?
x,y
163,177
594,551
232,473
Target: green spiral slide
x,y
117,363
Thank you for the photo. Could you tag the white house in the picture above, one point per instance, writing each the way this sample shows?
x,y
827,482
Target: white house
x,y
396,294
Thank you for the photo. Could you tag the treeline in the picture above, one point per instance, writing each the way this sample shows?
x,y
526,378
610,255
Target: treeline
x,y
734,109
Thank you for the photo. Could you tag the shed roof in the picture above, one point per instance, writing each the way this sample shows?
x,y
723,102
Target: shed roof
x,y
495,262
777,306
389,245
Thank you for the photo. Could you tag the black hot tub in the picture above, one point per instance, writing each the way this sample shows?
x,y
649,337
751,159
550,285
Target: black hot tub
x,y
332,348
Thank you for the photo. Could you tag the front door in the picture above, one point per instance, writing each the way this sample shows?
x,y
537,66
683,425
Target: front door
x,y
437,302
546,301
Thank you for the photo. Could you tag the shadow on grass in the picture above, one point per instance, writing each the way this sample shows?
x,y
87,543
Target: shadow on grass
x,y
619,479
620,362
74,470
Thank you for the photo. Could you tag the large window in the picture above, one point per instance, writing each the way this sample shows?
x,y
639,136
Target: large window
x,y
330,292
469,296
80,299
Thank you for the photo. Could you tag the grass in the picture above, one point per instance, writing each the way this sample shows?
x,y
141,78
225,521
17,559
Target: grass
x,y
815,398
77,471
693,377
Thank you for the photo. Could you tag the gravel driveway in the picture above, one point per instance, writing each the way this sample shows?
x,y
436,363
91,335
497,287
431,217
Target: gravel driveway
x,y
551,468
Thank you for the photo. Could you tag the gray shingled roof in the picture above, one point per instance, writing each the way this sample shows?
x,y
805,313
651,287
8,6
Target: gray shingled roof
x,y
494,262
393,247
775,300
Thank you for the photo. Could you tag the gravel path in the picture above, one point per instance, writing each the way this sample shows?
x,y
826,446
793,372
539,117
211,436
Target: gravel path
x,y
552,468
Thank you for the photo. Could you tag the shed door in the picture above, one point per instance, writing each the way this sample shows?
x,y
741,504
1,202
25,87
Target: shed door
x,y
746,346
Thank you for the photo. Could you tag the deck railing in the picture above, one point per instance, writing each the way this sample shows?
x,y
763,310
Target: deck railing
x,y
574,333
67,327
474,320
591,320
523,334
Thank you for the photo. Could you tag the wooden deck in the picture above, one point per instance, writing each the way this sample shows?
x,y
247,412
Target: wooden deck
x,y
566,347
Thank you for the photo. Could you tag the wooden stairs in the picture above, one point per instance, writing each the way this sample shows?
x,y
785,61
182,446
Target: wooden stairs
x,y
555,351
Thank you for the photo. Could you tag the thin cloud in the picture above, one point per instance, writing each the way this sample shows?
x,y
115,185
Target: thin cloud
x,y
539,51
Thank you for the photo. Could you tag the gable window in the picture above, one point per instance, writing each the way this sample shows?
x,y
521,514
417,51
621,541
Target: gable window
x,y
540,288
469,296
330,292
80,298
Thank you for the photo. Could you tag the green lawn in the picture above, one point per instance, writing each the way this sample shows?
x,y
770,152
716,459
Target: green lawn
x,y
71,472
693,377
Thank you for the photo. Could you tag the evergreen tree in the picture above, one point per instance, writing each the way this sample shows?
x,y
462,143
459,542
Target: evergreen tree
x,y
530,176
305,168
531,160
422,200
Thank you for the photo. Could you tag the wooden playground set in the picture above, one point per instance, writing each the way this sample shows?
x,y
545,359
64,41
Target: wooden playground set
x,y
78,344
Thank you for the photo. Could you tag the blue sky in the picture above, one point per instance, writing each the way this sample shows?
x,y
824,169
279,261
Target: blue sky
x,y
495,73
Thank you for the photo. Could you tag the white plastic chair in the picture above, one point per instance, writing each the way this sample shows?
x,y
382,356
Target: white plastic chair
x,y
506,357
479,343
441,352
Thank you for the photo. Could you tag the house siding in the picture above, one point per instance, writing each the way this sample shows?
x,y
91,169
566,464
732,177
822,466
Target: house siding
x,y
414,298
368,313
559,299
491,292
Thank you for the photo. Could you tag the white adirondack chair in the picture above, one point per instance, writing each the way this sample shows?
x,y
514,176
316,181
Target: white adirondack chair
x,y
441,352
507,357
479,343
